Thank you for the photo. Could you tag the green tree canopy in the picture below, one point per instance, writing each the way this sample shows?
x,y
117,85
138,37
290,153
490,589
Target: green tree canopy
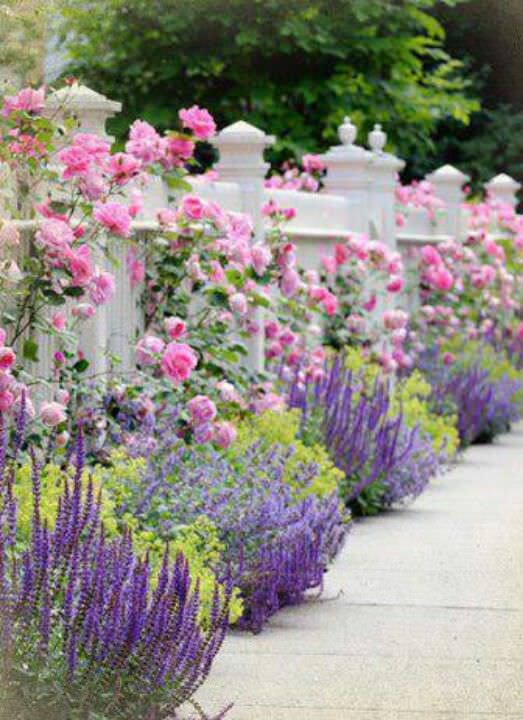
x,y
293,67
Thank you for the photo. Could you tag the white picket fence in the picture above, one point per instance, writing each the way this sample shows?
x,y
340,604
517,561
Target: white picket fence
x,y
358,196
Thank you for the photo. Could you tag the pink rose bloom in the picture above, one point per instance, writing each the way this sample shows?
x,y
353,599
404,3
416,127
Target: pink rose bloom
x,y
63,397
269,401
175,327
430,256
55,235
135,268
9,235
147,348
398,337
395,319
84,311
217,273
289,213
6,400
62,438
224,434
178,362
58,320
290,283
261,257
114,217
441,278
287,337
395,284
178,151
3,336
201,409
272,329
199,120
341,253
144,142
329,263
166,217
95,146
400,220
7,358
27,100
77,162
80,265
123,167
370,305
448,358
330,303
192,207
240,227
92,186
228,392
136,206
102,287
274,350
238,303
52,414
313,163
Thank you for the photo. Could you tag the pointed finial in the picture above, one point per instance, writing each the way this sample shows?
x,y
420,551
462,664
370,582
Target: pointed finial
x,y
377,139
347,131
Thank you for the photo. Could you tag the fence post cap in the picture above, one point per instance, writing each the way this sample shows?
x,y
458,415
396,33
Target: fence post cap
x,y
449,175
503,182
377,139
242,132
76,97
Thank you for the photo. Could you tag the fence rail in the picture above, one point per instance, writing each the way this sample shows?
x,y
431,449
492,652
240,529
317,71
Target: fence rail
x,y
359,196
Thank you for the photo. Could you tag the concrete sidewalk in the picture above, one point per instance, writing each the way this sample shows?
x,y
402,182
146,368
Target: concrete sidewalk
x,y
422,615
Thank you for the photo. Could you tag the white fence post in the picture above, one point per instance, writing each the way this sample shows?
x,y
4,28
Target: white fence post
x,y
112,327
241,147
448,184
348,175
504,188
383,170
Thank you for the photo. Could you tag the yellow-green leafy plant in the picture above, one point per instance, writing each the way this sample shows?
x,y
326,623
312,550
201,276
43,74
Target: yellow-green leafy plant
x,y
411,396
282,428
197,541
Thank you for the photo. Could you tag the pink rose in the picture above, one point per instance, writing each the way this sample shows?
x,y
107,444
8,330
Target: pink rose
x,y
238,303
6,400
123,167
146,349
80,265
199,120
52,414
63,396
441,278
224,434
76,160
430,256
144,142
201,409
102,288
261,257
26,100
290,283
9,235
178,362
7,358
175,327
395,284
84,311
58,320
192,207
330,303
114,217
55,235
313,163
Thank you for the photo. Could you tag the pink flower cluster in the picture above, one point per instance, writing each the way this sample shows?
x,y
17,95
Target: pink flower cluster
x,y
292,177
419,194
